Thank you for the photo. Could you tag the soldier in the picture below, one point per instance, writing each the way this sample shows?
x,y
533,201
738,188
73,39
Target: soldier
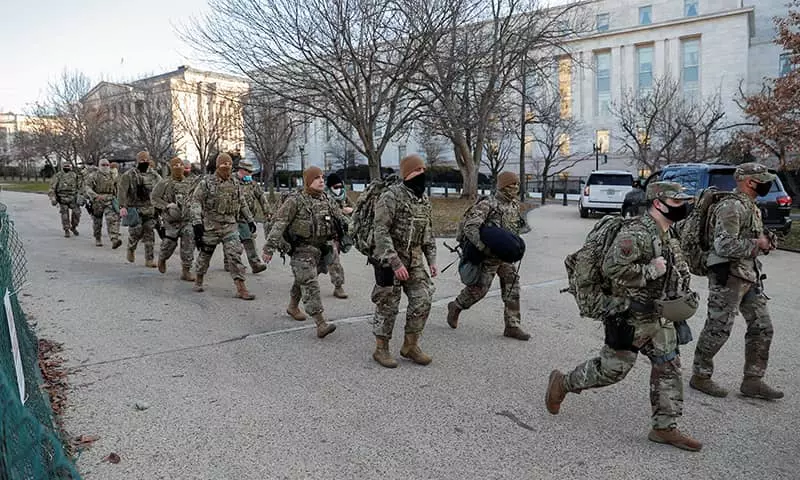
x,y
115,171
735,283
135,187
101,188
65,187
403,236
172,197
335,189
305,221
217,202
259,206
501,211
639,278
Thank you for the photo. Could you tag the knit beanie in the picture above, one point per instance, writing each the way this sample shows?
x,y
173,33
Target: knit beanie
x,y
409,163
332,180
310,174
505,179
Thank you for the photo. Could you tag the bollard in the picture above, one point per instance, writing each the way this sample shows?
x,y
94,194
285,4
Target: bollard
x,y
564,200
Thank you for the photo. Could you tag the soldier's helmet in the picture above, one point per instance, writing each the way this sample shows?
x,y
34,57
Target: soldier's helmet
x,y
758,172
662,190
245,164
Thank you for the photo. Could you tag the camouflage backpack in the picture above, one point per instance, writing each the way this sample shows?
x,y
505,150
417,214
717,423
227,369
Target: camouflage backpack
x,y
694,230
363,218
592,289
460,238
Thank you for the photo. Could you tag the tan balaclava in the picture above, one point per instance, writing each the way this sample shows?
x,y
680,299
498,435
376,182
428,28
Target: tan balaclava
x,y
508,185
176,167
224,166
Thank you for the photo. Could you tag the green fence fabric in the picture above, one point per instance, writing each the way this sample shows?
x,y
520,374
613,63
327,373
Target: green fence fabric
x,y
30,448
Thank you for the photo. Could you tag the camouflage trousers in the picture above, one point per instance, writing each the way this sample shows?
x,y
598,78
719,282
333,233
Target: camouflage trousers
x,y
228,236
103,208
418,288
69,221
144,232
305,267
335,269
723,303
509,285
172,234
660,345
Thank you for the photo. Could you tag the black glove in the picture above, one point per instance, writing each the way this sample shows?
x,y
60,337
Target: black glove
x,y
252,226
198,234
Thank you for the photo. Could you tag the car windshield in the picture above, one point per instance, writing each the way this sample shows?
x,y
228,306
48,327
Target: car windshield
x,y
611,179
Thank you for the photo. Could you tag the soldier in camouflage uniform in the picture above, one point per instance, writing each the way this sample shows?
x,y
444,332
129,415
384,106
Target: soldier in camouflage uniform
x,y
501,211
335,189
256,200
638,274
217,203
734,283
101,188
403,241
65,187
305,221
172,197
135,187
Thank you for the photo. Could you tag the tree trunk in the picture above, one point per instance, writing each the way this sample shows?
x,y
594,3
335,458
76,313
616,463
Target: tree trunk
x,y
468,169
374,162
545,175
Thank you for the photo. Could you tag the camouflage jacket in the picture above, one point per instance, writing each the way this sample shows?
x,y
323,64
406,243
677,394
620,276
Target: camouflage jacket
x,y
135,188
217,202
495,211
101,184
305,219
403,225
256,200
627,262
65,186
344,202
173,198
736,225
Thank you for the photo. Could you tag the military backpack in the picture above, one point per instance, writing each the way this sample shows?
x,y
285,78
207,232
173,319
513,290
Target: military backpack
x,y
694,231
460,237
363,219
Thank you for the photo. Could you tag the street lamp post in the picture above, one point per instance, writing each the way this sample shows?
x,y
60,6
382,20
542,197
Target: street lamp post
x,y
302,149
597,148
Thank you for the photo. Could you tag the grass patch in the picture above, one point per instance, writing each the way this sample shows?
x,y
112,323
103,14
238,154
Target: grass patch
x,y
29,187
790,241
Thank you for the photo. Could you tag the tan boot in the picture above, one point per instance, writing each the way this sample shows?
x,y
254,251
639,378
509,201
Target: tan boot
x,y
707,386
323,328
294,310
754,387
339,292
411,350
452,314
162,266
382,355
131,255
241,291
555,392
198,283
186,274
150,264
258,267
674,437
516,332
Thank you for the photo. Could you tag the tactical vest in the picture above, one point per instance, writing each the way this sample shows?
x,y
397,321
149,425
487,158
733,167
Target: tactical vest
x,y
104,184
411,219
313,222
250,192
504,215
224,197
67,184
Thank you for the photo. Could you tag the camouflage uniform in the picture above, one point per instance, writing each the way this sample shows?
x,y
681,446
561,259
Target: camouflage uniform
x,y
64,190
172,198
403,235
737,225
257,201
335,269
502,212
216,204
134,191
101,187
306,221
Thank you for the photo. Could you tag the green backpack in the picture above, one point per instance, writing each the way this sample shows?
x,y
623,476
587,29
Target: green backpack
x,y
694,230
592,289
363,218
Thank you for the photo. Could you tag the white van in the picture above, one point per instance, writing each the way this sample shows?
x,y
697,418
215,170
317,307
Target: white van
x,y
605,191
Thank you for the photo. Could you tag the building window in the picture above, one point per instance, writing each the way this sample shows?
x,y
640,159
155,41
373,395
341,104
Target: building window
x,y
646,15
785,64
690,68
563,144
690,8
565,86
602,22
644,69
603,83
603,140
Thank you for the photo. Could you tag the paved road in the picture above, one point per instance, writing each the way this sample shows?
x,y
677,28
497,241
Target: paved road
x,y
238,390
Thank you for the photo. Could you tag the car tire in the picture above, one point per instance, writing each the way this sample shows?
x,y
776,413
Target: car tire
x,y
584,212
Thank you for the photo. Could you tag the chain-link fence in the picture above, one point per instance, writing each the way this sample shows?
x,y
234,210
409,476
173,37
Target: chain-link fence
x,y
30,448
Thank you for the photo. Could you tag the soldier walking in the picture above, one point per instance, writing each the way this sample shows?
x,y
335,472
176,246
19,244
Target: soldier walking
x,y
172,197
403,242
638,262
259,206
336,190
217,202
135,187
65,187
305,222
101,188
502,211
735,283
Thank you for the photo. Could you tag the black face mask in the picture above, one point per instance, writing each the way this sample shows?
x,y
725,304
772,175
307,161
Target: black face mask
x,y
675,214
763,188
142,167
416,184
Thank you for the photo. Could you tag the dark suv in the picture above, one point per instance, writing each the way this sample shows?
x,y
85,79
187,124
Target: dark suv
x,y
776,206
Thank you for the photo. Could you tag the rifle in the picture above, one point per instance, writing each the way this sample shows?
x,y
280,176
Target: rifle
x,y
457,251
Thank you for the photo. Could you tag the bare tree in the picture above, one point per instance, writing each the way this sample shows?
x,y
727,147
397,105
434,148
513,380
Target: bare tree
x,y
269,130
499,142
342,152
431,143
148,125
